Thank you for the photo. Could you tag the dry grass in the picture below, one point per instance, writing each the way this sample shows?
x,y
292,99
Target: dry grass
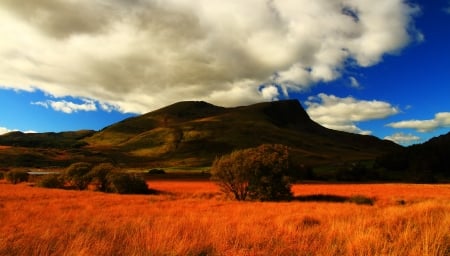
x,y
191,218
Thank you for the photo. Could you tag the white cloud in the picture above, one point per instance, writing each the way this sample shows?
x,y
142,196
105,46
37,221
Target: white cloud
x,y
402,138
4,130
140,55
354,82
440,120
107,107
69,107
343,113
270,92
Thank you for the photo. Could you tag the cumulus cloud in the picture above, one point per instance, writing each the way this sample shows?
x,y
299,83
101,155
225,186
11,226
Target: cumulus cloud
x,y
440,120
402,138
142,54
343,113
70,107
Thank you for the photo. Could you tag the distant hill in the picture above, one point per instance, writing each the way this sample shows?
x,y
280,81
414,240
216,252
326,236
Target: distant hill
x,y
46,140
194,133
427,162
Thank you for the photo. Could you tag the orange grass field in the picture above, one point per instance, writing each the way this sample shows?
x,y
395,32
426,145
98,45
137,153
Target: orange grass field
x,y
193,218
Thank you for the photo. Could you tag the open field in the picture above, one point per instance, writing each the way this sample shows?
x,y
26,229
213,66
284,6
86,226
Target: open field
x,y
193,218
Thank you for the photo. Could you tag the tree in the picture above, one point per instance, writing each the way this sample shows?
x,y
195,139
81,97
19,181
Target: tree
x,y
232,174
260,173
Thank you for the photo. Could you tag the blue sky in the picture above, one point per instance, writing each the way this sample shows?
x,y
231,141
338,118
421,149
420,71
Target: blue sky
x,y
371,68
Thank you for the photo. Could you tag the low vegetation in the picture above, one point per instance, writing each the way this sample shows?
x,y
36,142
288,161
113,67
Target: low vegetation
x,y
51,181
16,176
193,218
260,173
103,177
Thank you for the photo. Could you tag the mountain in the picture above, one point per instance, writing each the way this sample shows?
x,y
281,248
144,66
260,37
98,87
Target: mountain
x,y
194,133
427,162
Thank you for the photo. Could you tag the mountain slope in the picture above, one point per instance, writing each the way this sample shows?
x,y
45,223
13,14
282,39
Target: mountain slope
x,y
425,162
194,133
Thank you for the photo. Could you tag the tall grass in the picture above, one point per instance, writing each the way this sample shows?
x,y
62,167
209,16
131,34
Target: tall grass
x,y
192,218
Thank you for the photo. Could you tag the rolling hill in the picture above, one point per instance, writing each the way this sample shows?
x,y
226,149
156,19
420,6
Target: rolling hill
x,y
193,133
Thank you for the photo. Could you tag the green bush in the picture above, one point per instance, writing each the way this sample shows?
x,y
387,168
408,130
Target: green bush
x,y
51,181
16,176
2,175
260,173
77,175
99,175
125,183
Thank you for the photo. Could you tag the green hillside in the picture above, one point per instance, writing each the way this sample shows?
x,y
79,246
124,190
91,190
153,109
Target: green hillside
x,y
194,133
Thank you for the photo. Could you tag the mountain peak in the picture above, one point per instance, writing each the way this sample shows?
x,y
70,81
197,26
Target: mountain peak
x,y
286,113
188,110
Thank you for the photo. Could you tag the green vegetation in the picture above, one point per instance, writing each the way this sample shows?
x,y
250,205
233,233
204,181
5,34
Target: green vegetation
x,y
126,183
99,176
102,177
76,175
15,176
51,181
260,173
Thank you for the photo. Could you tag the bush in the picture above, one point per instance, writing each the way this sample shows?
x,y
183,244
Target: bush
x,y
51,181
16,176
157,171
260,173
77,175
2,175
125,183
99,175
359,199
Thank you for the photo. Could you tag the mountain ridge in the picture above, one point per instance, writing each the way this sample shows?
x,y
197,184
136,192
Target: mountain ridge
x,y
187,128
194,133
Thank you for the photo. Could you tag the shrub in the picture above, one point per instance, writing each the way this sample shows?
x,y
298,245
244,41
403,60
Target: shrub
x,y
359,199
125,183
51,181
260,173
77,175
157,171
16,176
2,175
99,175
